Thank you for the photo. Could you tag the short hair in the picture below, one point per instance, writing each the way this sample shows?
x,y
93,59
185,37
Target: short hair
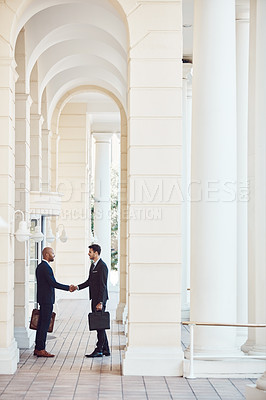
x,y
95,247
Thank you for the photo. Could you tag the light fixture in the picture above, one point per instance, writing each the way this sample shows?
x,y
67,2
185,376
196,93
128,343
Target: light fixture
x,y
49,233
37,235
23,233
63,236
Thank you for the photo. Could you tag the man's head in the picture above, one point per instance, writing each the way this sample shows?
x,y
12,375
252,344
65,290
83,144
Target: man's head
x,y
48,254
94,251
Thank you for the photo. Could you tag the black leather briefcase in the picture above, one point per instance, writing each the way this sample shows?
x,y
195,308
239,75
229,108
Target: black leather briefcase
x,y
99,320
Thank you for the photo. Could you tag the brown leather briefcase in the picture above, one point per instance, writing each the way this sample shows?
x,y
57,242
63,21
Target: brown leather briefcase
x,y
35,319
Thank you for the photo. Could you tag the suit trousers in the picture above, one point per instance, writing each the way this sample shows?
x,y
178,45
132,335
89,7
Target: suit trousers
x,y
102,341
43,325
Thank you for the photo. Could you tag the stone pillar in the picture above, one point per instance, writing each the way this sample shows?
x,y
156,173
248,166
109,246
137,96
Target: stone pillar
x,y
73,183
102,195
121,313
257,172
46,160
54,161
242,63
256,343
185,308
36,121
23,335
9,354
154,201
213,194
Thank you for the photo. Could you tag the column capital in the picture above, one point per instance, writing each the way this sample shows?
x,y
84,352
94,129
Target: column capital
x,y
37,117
24,97
10,63
101,137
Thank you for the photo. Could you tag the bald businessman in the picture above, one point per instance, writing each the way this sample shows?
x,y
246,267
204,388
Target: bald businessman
x,y
46,284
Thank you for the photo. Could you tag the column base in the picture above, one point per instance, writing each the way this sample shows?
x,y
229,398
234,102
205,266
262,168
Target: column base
x,y
120,311
257,350
247,346
241,337
153,361
213,353
9,358
253,393
224,368
24,337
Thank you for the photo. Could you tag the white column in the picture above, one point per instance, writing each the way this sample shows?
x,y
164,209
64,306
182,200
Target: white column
x,y
9,354
121,312
102,195
257,204
23,335
257,228
73,163
185,308
36,121
213,195
242,55
46,160
154,191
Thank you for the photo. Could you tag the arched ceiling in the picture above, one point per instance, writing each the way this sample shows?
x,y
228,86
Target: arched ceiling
x,y
74,43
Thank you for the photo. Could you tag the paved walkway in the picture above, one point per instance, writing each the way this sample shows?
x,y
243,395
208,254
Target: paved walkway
x,y
70,375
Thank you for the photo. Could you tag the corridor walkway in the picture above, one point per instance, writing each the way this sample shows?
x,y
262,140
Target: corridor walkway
x,y
69,375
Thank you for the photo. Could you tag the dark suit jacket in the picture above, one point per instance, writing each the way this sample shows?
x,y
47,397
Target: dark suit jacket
x,y
97,282
46,284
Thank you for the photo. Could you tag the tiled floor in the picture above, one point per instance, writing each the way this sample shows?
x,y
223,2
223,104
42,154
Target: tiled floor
x,y
71,376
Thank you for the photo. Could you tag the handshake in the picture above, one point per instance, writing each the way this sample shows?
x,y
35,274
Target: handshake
x,y
72,288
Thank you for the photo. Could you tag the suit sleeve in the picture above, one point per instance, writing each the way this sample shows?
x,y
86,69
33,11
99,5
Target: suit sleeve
x,y
84,285
52,282
102,283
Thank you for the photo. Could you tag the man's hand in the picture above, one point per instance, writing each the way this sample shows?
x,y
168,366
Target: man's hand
x,y
72,288
99,307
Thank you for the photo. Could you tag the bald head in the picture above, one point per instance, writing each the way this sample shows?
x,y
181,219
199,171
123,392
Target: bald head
x,y
48,254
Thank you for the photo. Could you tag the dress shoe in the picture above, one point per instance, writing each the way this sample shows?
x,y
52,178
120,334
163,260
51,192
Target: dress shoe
x,y
94,354
42,353
106,353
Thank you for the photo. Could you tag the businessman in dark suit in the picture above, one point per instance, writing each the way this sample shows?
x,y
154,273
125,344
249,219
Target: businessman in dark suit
x,y
97,283
46,284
